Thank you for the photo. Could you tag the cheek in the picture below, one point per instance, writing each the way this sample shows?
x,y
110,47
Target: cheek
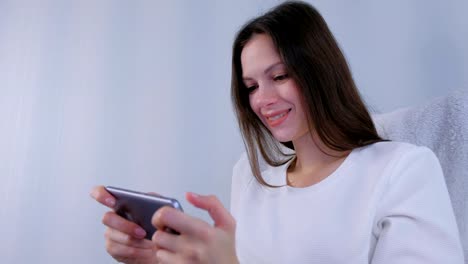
x,y
294,95
253,105
302,115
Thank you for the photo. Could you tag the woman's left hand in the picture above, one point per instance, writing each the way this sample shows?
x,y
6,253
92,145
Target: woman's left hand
x,y
198,242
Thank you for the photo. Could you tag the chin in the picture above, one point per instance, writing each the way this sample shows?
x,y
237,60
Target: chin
x,y
291,135
283,138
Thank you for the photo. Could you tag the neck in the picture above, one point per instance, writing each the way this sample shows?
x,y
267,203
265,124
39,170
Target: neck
x,y
310,156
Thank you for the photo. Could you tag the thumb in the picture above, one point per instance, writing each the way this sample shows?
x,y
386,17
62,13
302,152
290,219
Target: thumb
x,y
221,217
154,194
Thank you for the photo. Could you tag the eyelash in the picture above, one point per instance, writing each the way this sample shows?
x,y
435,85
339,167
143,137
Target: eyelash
x,y
250,89
281,77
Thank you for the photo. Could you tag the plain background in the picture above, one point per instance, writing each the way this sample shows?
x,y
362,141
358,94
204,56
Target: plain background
x,y
136,94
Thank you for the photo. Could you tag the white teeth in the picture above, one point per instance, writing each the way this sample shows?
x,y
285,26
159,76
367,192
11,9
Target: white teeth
x,y
273,118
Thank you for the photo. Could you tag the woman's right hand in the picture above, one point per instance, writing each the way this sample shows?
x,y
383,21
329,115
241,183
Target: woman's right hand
x,y
125,240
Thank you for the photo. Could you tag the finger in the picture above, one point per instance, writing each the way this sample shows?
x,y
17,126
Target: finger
x,y
154,194
123,251
100,194
125,239
221,217
179,221
166,257
166,241
113,220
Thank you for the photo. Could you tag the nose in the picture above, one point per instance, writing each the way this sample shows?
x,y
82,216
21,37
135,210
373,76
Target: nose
x,y
266,95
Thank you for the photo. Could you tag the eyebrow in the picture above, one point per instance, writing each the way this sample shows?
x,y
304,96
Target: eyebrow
x,y
267,70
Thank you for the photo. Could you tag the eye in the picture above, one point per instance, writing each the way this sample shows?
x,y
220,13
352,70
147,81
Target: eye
x,y
281,77
251,88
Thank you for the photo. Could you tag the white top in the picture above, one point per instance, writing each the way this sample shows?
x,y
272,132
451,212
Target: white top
x,y
386,203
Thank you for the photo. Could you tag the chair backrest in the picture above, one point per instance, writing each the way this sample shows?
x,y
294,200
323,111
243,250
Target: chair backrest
x,y
441,125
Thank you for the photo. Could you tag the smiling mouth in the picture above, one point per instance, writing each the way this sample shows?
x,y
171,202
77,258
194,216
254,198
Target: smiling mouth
x,y
277,119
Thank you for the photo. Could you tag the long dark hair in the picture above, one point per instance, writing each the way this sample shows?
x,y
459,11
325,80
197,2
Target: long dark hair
x,y
312,57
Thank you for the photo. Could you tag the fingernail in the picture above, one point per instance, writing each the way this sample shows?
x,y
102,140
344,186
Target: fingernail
x,y
194,194
140,232
93,194
110,202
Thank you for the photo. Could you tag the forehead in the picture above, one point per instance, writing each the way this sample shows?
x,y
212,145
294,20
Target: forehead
x,y
258,54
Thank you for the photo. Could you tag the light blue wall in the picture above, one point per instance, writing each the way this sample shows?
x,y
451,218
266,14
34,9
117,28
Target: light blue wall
x,y
136,94
402,53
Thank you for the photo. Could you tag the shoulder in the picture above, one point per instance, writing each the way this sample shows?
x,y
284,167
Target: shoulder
x,y
395,152
404,168
393,147
242,166
241,177
241,173
242,170
391,160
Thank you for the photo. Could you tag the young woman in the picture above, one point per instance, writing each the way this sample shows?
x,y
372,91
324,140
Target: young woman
x,y
317,184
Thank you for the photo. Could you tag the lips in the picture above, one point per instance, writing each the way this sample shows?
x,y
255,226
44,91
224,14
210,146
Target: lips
x,y
276,118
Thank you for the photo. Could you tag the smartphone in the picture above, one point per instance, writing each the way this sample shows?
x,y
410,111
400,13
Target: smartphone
x,y
139,207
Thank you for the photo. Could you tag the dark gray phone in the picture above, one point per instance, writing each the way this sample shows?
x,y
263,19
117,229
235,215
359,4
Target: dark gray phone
x,y
139,207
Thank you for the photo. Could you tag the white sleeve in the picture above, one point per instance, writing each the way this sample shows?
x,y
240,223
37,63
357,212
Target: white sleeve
x,y
240,176
415,223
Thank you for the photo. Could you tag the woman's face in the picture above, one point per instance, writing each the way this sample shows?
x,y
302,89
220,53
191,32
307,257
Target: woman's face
x,y
274,96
